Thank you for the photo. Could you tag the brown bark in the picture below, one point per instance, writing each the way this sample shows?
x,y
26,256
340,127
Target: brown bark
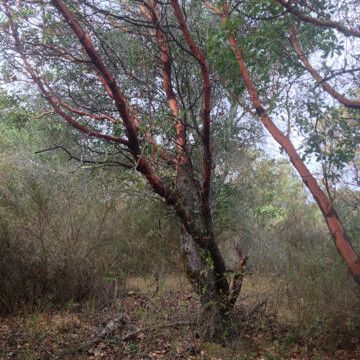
x,y
202,259
237,278
215,287
54,101
171,197
194,265
333,222
216,297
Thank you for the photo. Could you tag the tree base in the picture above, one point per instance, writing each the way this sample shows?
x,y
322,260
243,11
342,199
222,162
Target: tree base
x,y
215,323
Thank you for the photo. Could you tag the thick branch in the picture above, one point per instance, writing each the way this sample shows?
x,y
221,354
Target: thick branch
x,y
105,75
129,120
151,15
208,238
172,198
46,93
50,97
335,226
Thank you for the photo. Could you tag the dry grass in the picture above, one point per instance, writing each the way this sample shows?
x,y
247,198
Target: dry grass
x,y
162,310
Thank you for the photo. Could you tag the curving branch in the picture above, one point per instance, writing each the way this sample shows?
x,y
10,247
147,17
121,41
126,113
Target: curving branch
x,y
209,237
99,117
45,92
334,224
350,103
107,79
324,23
342,72
204,238
111,87
54,102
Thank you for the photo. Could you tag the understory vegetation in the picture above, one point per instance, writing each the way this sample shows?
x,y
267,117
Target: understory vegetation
x,y
70,236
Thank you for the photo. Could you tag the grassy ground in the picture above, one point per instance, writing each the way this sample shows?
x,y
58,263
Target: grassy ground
x,y
159,322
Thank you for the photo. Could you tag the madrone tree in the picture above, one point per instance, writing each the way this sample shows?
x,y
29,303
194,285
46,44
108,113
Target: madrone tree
x,y
147,83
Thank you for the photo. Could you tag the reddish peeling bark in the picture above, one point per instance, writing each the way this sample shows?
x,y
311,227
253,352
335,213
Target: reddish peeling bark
x,y
350,103
215,287
211,286
194,264
171,197
149,12
333,222
105,75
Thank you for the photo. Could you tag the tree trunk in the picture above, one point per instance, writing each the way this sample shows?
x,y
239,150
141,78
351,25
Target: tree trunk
x,y
216,310
194,265
204,265
216,305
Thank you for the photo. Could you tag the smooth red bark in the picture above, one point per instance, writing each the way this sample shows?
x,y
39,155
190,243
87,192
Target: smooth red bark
x,y
149,12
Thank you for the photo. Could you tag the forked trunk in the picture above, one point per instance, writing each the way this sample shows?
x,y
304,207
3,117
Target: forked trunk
x,y
204,265
217,305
